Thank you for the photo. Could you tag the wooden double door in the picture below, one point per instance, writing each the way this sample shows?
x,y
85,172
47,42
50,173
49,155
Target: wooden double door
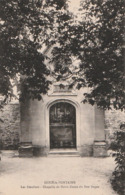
x,y
62,125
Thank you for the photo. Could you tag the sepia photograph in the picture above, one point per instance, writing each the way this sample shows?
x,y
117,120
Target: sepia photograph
x,y
62,97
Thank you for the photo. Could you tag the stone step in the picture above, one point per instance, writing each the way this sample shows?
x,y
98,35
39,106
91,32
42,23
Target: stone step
x,y
64,153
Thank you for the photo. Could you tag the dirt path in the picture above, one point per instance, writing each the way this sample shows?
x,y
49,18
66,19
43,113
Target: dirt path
x,y
55,175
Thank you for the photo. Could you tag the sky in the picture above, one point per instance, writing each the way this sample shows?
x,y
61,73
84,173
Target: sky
x,y
74,5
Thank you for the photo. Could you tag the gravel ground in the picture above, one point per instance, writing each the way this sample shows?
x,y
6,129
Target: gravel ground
x,y
55,175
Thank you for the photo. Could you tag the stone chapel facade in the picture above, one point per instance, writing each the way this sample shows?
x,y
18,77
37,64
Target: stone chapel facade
x,y
61,124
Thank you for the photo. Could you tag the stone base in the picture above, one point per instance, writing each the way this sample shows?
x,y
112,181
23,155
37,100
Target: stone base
x,y
100,149
25,150
85,150
40,151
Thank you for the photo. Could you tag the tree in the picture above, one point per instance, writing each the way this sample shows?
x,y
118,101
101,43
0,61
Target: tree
x,y
27,28
96,41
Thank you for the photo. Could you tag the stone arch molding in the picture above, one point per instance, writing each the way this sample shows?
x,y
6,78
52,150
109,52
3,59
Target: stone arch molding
x,y
78,126
54,101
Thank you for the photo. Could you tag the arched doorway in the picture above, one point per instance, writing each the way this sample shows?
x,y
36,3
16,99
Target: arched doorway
x,y
62,125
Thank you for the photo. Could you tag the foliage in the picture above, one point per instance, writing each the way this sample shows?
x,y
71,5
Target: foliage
x,y
118,176
27,28
96,41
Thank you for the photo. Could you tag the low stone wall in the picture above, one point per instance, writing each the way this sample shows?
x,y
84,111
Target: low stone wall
x,y
9,128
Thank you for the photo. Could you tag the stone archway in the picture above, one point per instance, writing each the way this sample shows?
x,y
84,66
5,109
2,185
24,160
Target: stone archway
x,y
76,106
62,125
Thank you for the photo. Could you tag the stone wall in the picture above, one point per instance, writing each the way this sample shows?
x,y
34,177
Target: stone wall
x,y
113,120
9,128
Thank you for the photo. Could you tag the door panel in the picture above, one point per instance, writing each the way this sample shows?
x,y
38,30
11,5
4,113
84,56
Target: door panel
x,y
62,126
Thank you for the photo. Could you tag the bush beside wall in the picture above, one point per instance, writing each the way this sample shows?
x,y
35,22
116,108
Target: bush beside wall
x,y
118,175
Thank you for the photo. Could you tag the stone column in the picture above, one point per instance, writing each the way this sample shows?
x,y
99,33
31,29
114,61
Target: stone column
x,y
25,120
25,149
99,146
99,125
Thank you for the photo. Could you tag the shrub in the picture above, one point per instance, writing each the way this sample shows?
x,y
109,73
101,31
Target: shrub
x,y
118,175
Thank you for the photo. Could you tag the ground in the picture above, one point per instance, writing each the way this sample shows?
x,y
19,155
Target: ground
x,y
55,175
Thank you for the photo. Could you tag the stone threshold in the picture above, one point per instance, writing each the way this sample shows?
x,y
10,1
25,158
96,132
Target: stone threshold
x,y
63,152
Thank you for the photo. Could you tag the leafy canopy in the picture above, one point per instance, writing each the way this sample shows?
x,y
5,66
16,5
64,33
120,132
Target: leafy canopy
x,y
95,40
27,27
